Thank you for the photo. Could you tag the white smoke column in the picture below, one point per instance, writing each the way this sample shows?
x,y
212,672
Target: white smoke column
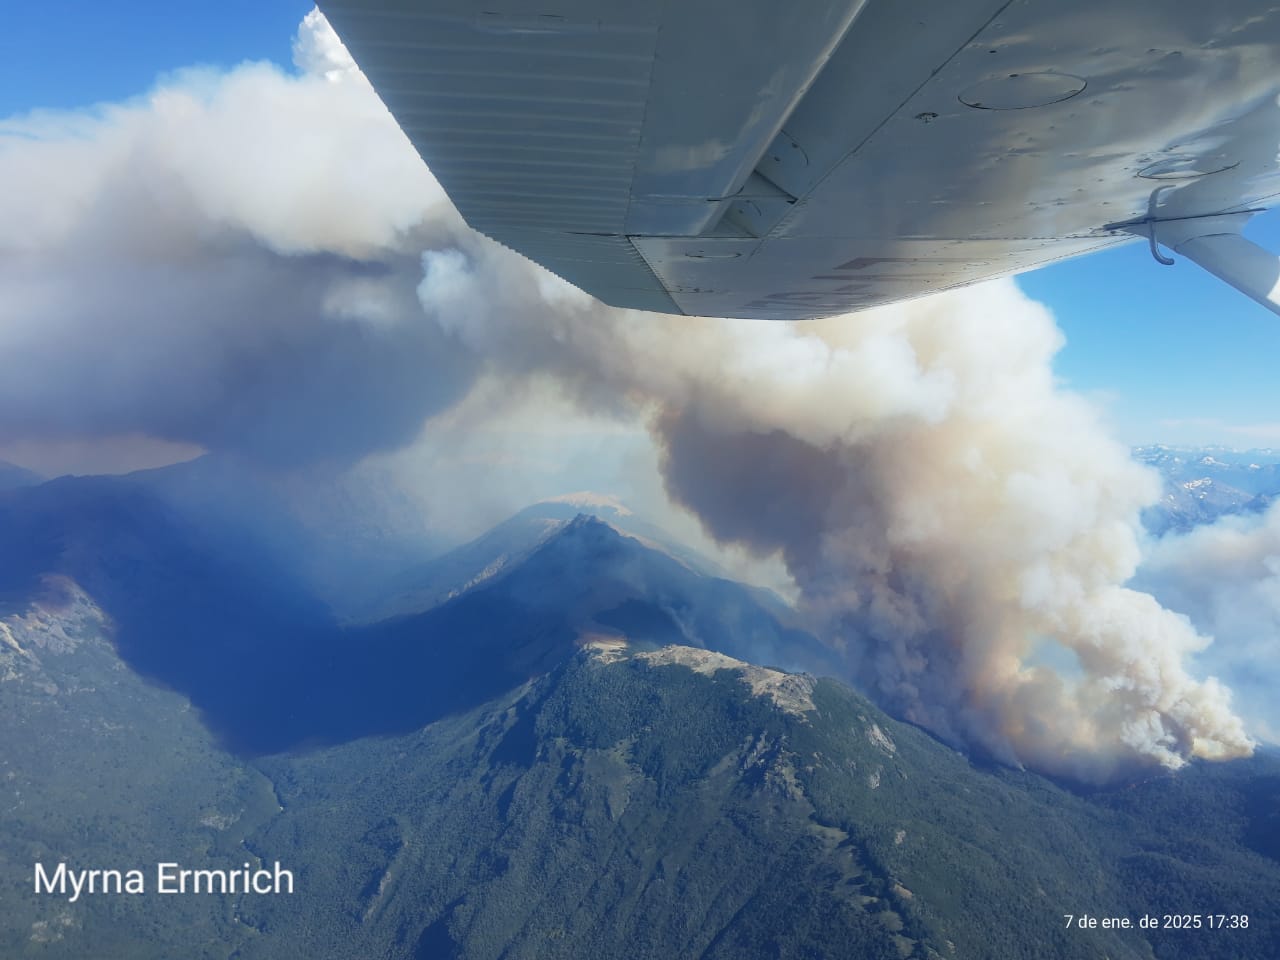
x,y
947,510
1226,577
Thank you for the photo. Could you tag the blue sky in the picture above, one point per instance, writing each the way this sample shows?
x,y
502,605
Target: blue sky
x,y
1171,353
1175,355
68,53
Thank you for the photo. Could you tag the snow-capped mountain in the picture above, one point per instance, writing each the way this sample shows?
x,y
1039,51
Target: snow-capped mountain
x,y
1202,484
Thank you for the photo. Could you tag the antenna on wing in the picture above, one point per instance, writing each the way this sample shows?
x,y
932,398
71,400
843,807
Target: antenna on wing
x,y
1215,243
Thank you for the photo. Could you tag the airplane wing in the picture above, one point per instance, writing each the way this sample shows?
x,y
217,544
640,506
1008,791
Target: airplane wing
x,y
757,159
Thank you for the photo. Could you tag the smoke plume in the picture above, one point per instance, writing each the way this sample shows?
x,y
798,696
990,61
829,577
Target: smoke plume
x,y
229,261
1226,577
257,262
959,525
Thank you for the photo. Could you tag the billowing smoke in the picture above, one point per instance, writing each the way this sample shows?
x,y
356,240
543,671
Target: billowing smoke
x,y
229,262
1226,577
960,526
239,264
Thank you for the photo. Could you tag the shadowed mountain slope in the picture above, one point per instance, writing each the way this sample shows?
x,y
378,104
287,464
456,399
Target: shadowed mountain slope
x,y
214,617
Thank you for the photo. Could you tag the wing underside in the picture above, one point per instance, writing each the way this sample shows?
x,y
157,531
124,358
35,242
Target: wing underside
x,y
783,161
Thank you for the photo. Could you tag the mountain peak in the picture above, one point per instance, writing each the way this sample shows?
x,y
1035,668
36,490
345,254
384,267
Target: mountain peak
x,y
790,692
592,502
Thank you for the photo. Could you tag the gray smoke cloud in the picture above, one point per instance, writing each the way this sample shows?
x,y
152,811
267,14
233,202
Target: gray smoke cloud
x,y
1226,577
229,261
239,263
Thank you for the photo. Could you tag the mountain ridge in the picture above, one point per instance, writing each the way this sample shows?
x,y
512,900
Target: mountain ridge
x,y
270,667
543,766
670,805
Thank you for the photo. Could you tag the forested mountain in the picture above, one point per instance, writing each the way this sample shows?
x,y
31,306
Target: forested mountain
x,y
555,760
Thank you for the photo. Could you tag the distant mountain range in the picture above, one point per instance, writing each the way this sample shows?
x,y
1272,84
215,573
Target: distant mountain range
x,y
1203,484
565,739
13,476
